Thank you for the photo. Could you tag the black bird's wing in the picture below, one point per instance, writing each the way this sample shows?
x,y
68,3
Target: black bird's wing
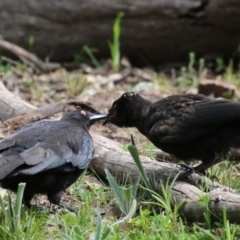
x,y
191,119
46,145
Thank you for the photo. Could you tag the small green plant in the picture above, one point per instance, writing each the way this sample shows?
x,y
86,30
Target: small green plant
x,y
12,216
125,195
90,53
15,223
189,77
4,67
75,86
31,41
115,44
81,57
103,230
204,202
229,231
149,182
220,65
230,235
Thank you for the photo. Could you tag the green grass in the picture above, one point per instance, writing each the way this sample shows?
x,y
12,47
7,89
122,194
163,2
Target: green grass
x,y
4,67
86,55
190,76
144,214
75,86
152,220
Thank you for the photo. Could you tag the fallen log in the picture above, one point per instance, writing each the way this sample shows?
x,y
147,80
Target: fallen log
x,y
152,32
109,155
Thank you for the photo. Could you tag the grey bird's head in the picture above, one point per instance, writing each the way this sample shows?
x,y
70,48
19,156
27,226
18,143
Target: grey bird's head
x,y
83,117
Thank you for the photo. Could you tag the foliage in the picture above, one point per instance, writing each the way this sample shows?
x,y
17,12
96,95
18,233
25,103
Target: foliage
x,y
4,67
189,77
75,86
16,222
81,57
115,44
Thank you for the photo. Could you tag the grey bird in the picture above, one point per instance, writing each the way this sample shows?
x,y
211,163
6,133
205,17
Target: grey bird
x,y
48,156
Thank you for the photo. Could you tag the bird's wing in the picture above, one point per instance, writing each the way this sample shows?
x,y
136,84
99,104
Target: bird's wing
x,y
45,145
85,153
72,146
20,139
190,121
6,143
13,145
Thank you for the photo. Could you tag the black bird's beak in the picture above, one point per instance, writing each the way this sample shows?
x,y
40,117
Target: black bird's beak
x,y
111,114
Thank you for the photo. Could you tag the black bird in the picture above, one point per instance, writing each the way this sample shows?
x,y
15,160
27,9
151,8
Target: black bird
x,y
187,126
48,156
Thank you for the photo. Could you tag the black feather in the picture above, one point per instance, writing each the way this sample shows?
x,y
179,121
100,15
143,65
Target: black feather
x,y
187,126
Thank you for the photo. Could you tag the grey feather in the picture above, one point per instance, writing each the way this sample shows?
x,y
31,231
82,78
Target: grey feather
x,y
45,164
9,163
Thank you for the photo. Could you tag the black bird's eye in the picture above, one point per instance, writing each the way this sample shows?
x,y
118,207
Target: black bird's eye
x,y
129,94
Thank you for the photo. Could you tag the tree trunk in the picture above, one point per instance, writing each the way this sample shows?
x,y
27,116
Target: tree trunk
x,y
109,155
153,32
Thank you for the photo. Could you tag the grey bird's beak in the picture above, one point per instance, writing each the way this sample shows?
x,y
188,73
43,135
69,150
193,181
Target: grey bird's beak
x,y
96,117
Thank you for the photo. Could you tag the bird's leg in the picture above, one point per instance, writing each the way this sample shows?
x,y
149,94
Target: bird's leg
x,y
189,170
186,167
27,196
55,198
68,207
203,167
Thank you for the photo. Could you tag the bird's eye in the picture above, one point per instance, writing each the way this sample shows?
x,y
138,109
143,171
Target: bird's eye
x,y
114,106
83,113
129,94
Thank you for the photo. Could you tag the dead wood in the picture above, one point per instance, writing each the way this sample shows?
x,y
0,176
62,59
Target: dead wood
x,y
30,59
157,31
109,155
12,105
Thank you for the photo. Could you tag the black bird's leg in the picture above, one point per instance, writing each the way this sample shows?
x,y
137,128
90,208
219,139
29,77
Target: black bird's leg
x,y
186,167
189,170
201,169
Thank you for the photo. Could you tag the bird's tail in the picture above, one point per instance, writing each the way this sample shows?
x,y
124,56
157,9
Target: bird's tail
x,y
9,164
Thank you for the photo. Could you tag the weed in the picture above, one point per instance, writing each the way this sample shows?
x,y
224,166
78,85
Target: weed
x,y
115,44
81,57
75,86
90,52
4,67
16,224
31,41
189,77
125,195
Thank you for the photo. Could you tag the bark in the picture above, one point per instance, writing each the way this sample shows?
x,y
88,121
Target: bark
x,y
155,31
109,155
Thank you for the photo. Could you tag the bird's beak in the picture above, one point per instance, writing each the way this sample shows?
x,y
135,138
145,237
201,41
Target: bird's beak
x,y
96,117
111,114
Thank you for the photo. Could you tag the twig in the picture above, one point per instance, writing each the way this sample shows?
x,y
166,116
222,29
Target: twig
x,y
29,58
